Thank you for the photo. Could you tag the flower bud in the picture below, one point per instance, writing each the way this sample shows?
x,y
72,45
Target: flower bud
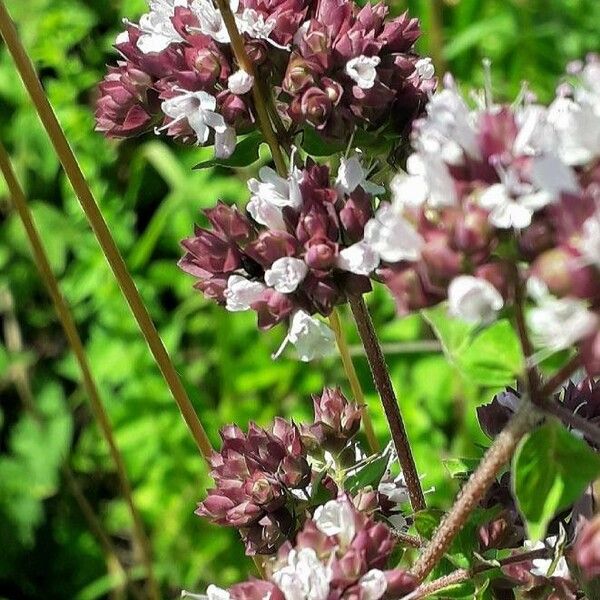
x,y
472,232
498,274
294,472
264,492
590,354
211,253
255,589
234,109
321,254
341,420
399,583
316,106
536,238
357,211
299,75
228,221
443,263
257,51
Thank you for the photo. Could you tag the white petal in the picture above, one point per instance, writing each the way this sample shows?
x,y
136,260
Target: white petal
x,y
359,258
286,274
216,593
362,70
408,190
350,174
311,337
336,517
265,213
225,143
373,585
240,82
473,300
241,293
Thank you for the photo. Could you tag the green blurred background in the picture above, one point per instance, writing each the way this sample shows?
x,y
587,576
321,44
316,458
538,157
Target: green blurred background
x,y
151,197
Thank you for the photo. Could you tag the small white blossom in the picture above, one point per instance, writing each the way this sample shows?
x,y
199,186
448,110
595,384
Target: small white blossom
x,y
225,142
311,337
265,213
352,174
304,577
395,491
589,245
277,190
373,585
336,517
473,300
392,236
509,400
362,70
286,274
210,20
541,566
360,258
241,293
198,109
212,593
559,323
424,68
157,30
240,82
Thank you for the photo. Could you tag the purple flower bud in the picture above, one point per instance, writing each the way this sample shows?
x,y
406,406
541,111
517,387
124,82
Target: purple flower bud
x,y
399,583
299,74
211,253
472,232
499,274
357,211
316,106
494,416
590,354
264,491
347,569
536,238
335,418
229,222
376,542
321,254
294,472
234,109
255,589
123,108
272,308
269,533
586,551
442,262
407,287
271,245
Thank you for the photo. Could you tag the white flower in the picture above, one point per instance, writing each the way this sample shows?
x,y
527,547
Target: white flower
x,y
255,25
558,324
360,258
240,82
362,70
352,174
392,236
473,300
395,491
424,68
276,190
158,32
541,566
509,400
508,209
241,293
286,274
589,245
304,577
373,585
210,19
265,213
427,180
550,174
336,517
198,108
311,337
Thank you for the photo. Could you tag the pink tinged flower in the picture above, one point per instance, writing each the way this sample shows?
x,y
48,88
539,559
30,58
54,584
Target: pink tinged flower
x,y
212,593
362,70
210,20
157,30
241,293
240,82
551,175
392,236
474,300
425,68
311,337
586,551
352,174
373,585
304,577
360,258
286,274
199,110
336,518
547,567
276,190
265,213
558,324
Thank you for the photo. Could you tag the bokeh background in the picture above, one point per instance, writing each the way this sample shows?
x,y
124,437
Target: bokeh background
x,y
151,197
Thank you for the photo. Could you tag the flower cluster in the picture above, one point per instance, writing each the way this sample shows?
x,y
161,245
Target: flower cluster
x,y
497,196
340,554
310,243
268,480
336,67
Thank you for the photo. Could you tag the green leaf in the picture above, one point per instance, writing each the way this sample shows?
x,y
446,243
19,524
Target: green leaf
x,y
369,475
551,469
313,144
246,153
460,468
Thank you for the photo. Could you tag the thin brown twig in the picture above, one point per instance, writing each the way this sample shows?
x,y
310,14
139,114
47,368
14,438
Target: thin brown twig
x,y
383,383
474,490
462,575
70,329
90,207
560,377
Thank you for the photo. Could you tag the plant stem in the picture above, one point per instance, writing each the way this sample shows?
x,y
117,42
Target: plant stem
x,y
563,414
359,397
474,490
70,329
96,528
462,575
383,383
260,103
436,35
90,207
560,377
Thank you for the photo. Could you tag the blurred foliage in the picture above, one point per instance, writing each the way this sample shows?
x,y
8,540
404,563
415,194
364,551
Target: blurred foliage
x,y
151,196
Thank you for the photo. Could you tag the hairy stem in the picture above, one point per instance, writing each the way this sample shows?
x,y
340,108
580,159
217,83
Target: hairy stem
x,y
462,575
260,103
383,383
357,392
70,329
474,490
94,216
